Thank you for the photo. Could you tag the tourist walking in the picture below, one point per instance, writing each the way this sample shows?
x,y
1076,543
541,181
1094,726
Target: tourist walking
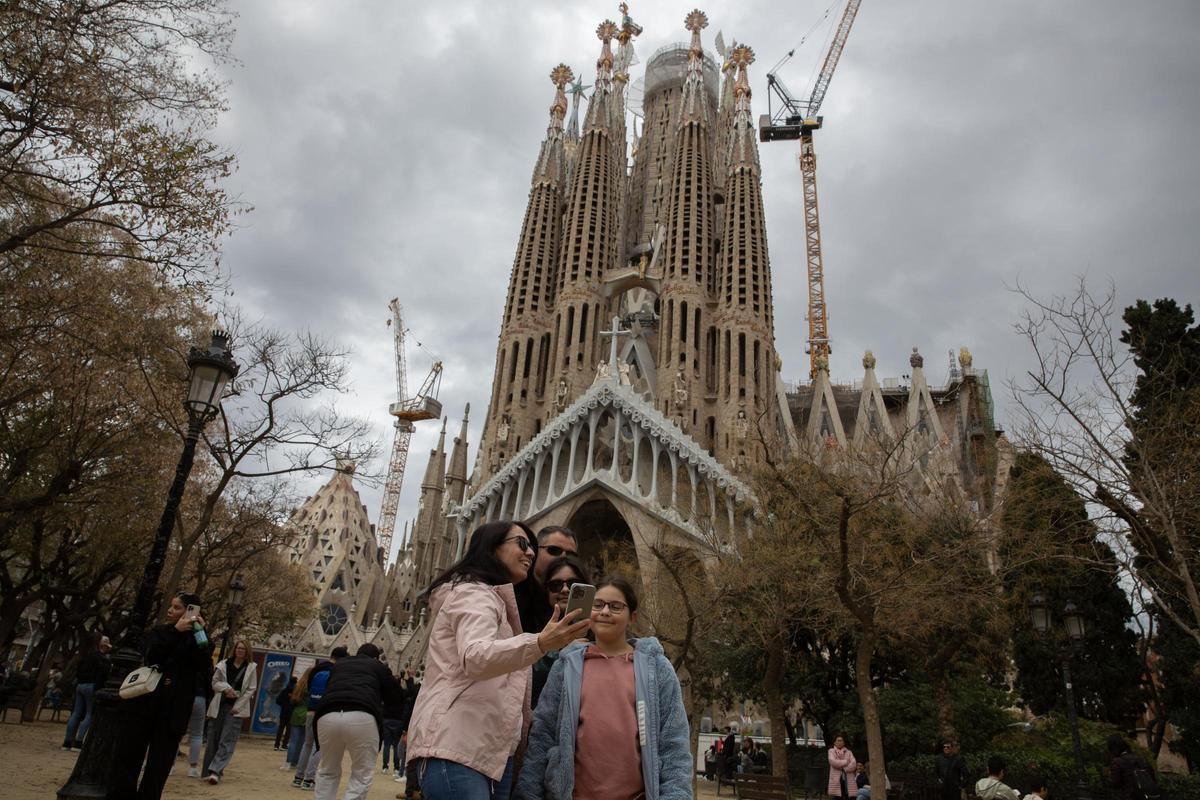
x,y
993,786
473,711
842,767
234,683
393,729
951,771
156,721
283,730
90,675
611,716
306,766
296,719
349,720
561,574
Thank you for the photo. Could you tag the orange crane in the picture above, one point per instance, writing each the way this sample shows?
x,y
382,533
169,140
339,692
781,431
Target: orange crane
x,y
407,410
797,120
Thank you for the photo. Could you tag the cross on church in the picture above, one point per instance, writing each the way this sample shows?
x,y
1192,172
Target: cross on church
x,y
613,334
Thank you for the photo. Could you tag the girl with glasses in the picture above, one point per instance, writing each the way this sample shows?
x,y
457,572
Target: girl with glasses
x,y
472,714
611,722
561,574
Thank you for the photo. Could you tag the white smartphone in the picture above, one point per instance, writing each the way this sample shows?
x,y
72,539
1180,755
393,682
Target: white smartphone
x,y
193,612
581,597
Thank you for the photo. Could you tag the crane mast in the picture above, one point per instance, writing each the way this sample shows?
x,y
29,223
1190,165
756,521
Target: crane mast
x,y
407,411
797,120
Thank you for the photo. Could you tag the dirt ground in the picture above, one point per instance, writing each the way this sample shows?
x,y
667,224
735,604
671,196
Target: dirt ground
x,y
34,769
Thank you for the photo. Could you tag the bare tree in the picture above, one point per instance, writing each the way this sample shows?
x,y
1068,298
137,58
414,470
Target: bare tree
x,y
104,112
1141,474
279,421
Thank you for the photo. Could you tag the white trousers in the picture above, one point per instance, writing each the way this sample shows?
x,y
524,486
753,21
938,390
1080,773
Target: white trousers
x,y
342,732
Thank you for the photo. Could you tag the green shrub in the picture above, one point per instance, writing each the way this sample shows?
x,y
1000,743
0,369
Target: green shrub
x,y
1179,787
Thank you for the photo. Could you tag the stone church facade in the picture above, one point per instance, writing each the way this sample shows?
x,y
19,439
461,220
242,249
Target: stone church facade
x,y
636,380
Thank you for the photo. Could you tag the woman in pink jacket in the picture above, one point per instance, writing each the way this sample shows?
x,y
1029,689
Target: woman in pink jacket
x,y
842,767
473,709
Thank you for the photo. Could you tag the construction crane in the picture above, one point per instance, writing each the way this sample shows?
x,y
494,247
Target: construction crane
x,y
797,120
407,411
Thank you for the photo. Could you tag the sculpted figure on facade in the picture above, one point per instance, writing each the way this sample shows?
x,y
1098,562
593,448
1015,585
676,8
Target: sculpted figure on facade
x,y
560,395
502,430
623,369
964,358
603,372
741,425
916,359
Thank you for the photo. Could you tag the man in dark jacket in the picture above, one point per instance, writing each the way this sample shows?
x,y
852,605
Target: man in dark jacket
x,y
283,731
318,681
1123,769
951,771
350,719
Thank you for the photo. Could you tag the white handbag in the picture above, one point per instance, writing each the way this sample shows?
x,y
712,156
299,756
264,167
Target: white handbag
x,y
141,681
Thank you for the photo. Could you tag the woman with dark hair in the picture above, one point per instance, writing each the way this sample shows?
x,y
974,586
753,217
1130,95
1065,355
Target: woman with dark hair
x,y
842,767
611,723
561,574
471,713
158,719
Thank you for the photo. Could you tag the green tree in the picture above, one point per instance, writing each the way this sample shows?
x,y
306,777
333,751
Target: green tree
x,y
1106,668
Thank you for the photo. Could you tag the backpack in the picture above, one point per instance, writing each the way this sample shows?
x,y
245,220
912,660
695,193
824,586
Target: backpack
x,y
1145,787
316,686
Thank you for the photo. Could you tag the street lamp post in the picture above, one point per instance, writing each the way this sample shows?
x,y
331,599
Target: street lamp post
x,y
1039,611
211,369
237,588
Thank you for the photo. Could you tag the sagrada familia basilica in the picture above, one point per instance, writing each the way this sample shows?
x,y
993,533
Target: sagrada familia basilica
x,y
636,380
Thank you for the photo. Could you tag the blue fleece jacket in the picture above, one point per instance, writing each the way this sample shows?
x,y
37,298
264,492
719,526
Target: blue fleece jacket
x,y
549,769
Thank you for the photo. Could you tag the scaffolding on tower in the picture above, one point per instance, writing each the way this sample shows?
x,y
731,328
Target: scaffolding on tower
x,y
408,411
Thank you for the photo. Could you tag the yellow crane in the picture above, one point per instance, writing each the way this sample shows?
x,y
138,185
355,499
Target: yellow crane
x,y
797,119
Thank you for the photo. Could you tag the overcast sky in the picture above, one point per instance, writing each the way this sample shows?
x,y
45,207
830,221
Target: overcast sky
x,y
387,147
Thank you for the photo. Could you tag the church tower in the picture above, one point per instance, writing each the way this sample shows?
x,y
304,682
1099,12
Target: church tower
x,y
524,351
745,329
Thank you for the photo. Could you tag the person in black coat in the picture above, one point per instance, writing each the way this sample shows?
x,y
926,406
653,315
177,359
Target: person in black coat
x,y
1123,766
283,731
350,719
156,721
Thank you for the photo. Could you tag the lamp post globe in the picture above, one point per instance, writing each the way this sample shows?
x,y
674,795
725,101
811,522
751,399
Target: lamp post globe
x,y
211,369
1039,612
1073,622
237,589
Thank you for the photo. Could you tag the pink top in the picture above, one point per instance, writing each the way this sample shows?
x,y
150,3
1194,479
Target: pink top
x,y
608,758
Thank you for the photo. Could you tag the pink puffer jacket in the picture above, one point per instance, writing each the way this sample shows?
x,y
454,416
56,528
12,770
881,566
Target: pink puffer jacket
x,y
473,707
841,762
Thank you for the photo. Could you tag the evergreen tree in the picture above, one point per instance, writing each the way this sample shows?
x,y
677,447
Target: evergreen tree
x,y
1105,668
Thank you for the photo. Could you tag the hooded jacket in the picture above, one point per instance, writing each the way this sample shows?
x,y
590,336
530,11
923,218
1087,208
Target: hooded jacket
x,y
473,708
992,788
549,769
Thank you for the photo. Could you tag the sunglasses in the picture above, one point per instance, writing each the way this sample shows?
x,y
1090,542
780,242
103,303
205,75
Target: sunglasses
x,y
555,551
523,543
557,586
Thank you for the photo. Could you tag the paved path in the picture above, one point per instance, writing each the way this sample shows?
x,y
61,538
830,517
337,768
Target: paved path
x,y
34,769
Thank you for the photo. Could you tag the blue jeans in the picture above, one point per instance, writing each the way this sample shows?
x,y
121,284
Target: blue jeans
x,y
449,780
81,714
295,744
196,729
392,730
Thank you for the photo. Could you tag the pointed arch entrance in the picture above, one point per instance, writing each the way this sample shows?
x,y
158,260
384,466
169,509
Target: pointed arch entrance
x,y
605,538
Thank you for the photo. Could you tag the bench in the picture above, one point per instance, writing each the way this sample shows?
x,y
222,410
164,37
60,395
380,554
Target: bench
x,y
760,787
15,701
57,707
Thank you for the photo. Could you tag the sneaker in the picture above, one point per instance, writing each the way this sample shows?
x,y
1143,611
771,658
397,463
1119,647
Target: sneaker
x,y
296,782
286,766
399,777
193,772
307,785
214,779
66,747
